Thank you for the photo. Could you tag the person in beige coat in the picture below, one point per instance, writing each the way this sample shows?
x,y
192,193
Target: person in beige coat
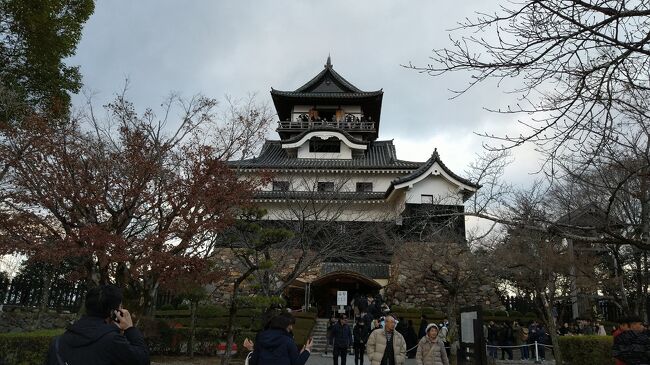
x,y
431,348
378,349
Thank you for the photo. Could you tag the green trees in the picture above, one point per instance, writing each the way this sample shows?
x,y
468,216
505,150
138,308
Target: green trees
x,y
36,36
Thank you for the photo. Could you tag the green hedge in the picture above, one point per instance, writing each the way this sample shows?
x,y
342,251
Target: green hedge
x,y
587,350
26,348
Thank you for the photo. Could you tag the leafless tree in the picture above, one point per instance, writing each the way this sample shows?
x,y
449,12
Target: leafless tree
x,y
129,198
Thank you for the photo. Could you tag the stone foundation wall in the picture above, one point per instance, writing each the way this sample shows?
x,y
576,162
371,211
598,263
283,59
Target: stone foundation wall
x,y
226,260
22,320
411,286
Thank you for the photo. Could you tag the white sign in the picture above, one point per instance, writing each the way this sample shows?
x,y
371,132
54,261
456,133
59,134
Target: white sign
x,y
341,297
467,326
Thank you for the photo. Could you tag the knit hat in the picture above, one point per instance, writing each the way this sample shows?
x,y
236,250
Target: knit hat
x,y
430,326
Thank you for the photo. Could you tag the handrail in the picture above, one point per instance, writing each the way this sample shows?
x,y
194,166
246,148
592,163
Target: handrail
x,y
361,125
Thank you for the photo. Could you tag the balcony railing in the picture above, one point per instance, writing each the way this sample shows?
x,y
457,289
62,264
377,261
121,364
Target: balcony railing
x,y
359,125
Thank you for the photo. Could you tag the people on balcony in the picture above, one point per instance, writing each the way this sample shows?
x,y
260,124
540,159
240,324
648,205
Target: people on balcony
x,y
348,121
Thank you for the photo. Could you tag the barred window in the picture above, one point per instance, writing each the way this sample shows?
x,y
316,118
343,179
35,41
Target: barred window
x,y
364,187
325,186
280,186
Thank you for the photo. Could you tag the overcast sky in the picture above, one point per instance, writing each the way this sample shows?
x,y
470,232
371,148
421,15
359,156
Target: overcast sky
x,y
237,47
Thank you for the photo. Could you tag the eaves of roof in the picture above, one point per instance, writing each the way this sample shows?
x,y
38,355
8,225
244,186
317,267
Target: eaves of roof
x,y
380,155
324,95
435,157
347,135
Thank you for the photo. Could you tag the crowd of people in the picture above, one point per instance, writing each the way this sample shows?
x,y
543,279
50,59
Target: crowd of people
x,y
385,338
106,335
510,336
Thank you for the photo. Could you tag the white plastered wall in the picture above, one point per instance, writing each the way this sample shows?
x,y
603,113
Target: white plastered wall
x,y
442,190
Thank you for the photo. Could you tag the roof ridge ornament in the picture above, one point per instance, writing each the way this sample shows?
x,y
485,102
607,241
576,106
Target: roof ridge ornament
x,y
328,64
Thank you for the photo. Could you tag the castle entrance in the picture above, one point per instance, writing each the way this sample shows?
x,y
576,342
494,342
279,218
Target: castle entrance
x,y
323,291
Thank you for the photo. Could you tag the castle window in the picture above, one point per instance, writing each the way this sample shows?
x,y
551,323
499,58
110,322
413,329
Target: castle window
x,y
325,186
280,186
331,145
364,187
427,199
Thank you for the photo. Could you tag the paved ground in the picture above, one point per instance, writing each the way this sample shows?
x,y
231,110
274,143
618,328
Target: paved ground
x,y
320,359
315,359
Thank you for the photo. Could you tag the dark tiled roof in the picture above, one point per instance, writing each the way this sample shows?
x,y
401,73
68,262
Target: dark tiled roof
x,y
325,95
379,155
374,271
328,73
435,157
347,135
328,84
320,195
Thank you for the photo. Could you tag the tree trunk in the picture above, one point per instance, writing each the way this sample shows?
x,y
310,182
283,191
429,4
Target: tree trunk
x,y
193,307
552,328
232,311
452,314
45,298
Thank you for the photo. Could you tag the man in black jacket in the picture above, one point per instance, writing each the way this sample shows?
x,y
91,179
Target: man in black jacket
x,y
104,336
633,345
341,340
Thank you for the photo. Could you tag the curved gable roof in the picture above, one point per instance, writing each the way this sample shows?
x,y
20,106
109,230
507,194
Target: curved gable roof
x,y
327,83
435,158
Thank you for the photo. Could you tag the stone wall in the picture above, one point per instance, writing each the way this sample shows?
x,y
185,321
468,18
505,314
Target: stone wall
x,y
22,320
412,285
232,267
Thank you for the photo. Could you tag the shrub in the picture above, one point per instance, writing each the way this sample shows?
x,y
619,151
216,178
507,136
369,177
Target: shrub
x,y
515,314
26,348
211,311
166,307
183,307
500,313
587,350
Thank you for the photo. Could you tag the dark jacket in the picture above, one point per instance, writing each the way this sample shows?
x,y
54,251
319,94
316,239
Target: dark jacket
x,y
632,348
91,340
361,334
276,347
341,335
423,327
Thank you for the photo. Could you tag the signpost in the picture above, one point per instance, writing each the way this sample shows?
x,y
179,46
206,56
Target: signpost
x,y
341,300
472,340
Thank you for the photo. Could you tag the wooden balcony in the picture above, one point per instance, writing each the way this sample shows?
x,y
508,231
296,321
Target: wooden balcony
x,y
355,126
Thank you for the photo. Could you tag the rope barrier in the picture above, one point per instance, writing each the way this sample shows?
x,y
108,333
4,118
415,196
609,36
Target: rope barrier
x,y
518,346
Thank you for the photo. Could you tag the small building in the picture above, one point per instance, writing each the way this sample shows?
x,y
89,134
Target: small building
x,y
328,157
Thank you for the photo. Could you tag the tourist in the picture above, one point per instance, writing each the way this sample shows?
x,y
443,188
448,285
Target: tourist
x,y
601,330
543,338
492,339
341,338
444,332
431,348
632,344
423,326
521,339
275,346
564,330
330,324
104,335
360,334
411,339
622,326
387,346
506,340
